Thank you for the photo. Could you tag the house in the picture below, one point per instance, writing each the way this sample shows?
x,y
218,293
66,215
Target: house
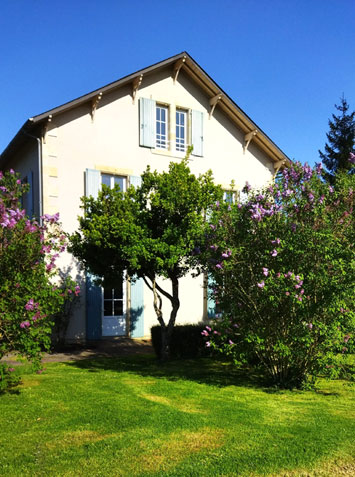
x,y
110,136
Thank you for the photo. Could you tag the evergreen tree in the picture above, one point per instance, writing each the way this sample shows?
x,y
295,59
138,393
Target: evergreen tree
x,y
341,142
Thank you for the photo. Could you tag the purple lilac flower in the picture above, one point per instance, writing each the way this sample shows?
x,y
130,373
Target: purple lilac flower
x,y
204,333
265,271
208,344
30,304
230,342
219,266
25,324
310,325
319,167
352,158
274,253
247,187
208,328
261,284
276,241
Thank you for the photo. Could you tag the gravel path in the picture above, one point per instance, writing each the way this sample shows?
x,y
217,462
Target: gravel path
x,y
108,348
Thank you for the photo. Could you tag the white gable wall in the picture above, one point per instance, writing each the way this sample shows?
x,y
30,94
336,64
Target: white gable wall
x,y
110,143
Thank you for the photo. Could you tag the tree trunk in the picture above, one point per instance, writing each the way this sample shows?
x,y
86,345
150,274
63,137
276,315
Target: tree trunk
x,y
167,331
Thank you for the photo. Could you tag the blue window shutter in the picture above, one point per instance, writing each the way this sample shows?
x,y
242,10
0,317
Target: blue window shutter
x,y
93,292
137,290
211,304
93,309
30,201
147,122
137,309
92,183
197,132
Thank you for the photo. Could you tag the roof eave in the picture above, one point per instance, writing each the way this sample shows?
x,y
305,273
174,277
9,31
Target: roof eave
x,y
243,121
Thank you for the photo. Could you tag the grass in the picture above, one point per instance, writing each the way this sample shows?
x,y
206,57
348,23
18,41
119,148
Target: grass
x,y
133,417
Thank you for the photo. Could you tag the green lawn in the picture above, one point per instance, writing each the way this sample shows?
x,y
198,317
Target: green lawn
x,y
133,417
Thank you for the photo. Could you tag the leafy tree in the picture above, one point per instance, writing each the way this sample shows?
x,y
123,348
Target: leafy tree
x,y
341,142
28,296
283,265
149,232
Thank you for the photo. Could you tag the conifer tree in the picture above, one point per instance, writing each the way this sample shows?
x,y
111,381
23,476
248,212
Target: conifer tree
x,y
341,142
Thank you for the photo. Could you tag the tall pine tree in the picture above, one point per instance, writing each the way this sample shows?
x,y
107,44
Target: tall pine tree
x,y
341,142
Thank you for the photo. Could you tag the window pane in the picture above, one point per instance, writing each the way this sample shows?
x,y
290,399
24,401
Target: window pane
x,y
108,293
229,197
106,179
118,308
120,181
118,292
107,307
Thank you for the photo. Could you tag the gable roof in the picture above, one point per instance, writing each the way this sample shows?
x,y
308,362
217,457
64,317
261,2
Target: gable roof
x,y
188,64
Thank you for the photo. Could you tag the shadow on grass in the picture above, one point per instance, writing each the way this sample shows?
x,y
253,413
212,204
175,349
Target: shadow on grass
x,y
204,370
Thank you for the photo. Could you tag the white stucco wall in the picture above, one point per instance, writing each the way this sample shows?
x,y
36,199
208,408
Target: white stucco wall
x,y
110,143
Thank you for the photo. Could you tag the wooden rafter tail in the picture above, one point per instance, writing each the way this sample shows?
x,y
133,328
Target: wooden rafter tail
x,y
278,165
247,138
45,128
94,105
135,87
177,67
213,103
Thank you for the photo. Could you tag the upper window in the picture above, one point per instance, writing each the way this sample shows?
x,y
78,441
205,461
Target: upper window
x,y
181,130
154,128
111,180
161,140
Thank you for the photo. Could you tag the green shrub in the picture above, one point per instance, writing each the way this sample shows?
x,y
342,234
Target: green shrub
x,y
186,342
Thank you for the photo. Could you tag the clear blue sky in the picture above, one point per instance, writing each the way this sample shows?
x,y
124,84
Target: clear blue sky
x,y
284,62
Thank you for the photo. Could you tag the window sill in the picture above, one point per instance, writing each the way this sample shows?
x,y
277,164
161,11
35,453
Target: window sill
x,y
168,153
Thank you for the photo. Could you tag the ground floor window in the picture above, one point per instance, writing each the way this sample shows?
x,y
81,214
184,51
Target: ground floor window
x,y
114,310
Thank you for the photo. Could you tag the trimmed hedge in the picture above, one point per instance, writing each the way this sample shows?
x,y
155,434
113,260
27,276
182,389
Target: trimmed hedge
x,y
186,342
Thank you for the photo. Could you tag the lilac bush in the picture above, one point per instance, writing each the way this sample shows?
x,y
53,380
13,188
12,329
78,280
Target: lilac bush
x,y
29,296
283,268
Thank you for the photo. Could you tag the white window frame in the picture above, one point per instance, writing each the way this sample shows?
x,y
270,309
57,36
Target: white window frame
x,y
181,143
162,140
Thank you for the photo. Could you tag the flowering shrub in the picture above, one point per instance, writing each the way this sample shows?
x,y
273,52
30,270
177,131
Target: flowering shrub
x,y
28,295
283,268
